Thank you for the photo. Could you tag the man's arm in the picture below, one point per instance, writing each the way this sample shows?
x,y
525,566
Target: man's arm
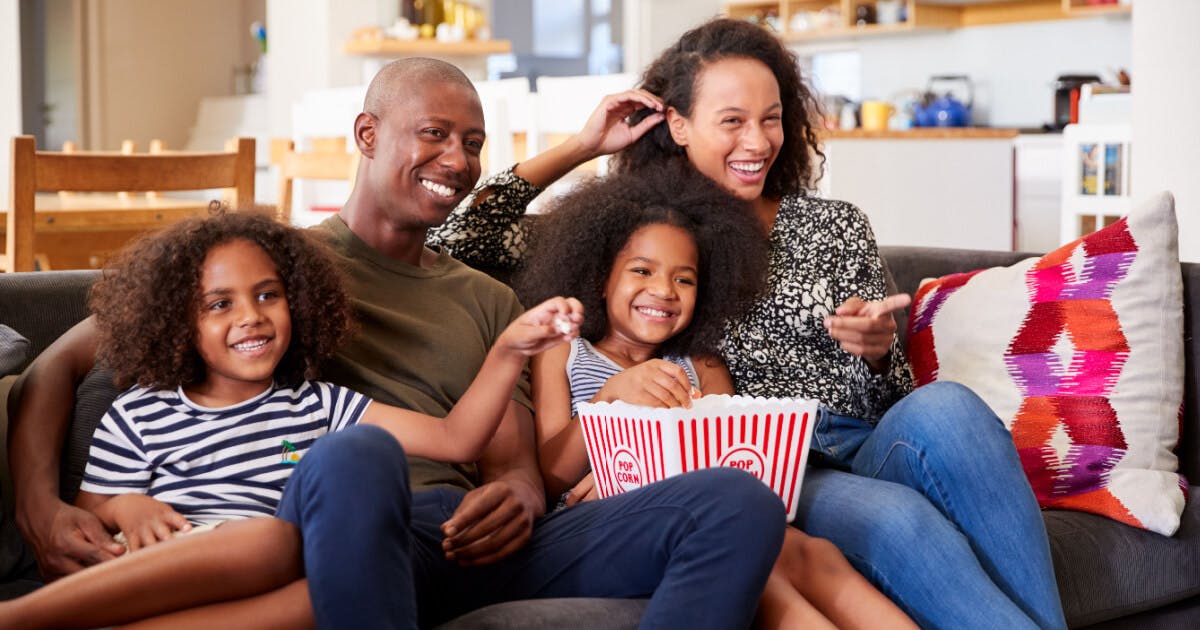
x,y
496,518
65,538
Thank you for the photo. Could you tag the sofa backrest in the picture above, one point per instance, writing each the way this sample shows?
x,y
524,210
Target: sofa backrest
x,y
43,305
909,265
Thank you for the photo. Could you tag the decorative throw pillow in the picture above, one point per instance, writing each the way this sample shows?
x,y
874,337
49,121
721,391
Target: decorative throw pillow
x,y
1079,353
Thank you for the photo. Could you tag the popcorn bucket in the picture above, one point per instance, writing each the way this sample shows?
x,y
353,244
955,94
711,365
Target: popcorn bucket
x,y
630,446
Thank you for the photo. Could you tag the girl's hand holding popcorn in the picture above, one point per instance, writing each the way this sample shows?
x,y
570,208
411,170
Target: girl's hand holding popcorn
x,y
542,327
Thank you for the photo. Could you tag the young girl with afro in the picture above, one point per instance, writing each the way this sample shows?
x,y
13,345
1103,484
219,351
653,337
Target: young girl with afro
x,y
661,260
221,325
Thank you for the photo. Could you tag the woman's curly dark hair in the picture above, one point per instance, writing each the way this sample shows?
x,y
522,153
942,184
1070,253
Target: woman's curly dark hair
x,y
146,300
574,247
672,76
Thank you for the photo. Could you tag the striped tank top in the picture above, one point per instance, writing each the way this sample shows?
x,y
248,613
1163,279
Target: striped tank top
x,y
588,369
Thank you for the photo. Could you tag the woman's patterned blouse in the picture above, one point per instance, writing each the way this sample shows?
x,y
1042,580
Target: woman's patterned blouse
x,y
822,252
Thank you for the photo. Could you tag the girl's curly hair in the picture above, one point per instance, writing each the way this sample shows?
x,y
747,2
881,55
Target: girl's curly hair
x,y
146,300
673,77
574,247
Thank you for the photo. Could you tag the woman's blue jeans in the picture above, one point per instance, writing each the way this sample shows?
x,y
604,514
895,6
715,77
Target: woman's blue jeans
x,y
932,506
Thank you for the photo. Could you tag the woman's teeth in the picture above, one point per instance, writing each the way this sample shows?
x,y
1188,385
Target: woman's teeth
x,y
748,167
437,189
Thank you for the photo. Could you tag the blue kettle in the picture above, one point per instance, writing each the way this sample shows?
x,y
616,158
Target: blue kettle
x,y
944,110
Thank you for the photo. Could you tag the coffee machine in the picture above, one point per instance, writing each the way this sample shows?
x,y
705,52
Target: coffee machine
x,y
1066,97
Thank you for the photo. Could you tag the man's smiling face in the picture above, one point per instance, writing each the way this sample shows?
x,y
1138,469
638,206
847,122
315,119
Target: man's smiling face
x,y
428,144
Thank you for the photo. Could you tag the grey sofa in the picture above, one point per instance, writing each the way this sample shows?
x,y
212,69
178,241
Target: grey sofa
x,y
1110,575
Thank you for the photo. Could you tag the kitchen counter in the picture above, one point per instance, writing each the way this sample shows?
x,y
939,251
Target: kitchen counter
x,y
944,187
922,133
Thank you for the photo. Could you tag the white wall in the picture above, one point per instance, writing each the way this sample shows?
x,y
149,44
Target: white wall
x,y
1013,66
305,40
151,61
1166,97
10,86
652,25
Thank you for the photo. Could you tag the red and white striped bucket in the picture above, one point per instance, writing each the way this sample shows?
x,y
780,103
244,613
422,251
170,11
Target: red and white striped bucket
x,y
630,446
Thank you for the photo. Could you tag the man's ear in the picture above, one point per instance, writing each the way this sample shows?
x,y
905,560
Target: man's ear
x,y
365,126
677,124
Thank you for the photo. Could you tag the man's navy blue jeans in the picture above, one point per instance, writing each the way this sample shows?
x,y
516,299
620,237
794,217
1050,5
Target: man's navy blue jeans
x,y
699,545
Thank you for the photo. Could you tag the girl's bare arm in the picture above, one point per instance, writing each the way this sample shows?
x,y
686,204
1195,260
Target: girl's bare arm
x,y
562,454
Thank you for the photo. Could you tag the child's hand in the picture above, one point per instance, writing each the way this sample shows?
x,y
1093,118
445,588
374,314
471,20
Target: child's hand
x,y
145,520
655,383
542,327
585,490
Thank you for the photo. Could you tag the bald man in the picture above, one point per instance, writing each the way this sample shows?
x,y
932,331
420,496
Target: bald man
x,y
390,546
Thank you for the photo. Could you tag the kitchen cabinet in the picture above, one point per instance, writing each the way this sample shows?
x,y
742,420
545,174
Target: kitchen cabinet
x,y
799,21
930,188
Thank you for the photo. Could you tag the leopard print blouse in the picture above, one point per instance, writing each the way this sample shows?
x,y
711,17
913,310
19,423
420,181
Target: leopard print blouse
x,y
822,252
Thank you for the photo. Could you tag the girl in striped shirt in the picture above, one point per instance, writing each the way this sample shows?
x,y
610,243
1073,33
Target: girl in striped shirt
x,y
220,325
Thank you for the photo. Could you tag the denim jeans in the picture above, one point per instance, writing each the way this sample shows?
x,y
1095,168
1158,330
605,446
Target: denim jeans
x,y
699,545
932,506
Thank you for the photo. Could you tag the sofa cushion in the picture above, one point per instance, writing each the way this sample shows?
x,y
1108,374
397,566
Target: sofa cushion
x,y
1108,570
14,349
1080,353
552,614
93,398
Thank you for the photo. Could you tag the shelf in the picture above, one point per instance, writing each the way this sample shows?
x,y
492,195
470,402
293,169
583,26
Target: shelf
x,y
1082,8
392,47
836,17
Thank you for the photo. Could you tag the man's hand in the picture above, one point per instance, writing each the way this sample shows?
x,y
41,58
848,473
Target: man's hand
x,y
492,521
66,539
866,329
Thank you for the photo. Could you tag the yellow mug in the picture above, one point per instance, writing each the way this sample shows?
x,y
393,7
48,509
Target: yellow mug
x,y
875,115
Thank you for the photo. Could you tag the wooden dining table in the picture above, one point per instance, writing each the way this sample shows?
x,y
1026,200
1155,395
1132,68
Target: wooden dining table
x,y
82,230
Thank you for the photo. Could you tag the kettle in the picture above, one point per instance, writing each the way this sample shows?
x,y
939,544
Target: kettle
x,y
944,110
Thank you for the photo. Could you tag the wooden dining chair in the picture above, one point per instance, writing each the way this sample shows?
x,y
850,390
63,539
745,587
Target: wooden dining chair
x,y
128,147
328,160
36,171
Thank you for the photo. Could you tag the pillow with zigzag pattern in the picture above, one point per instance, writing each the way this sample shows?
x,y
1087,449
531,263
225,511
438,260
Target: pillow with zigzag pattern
x,y
1079,352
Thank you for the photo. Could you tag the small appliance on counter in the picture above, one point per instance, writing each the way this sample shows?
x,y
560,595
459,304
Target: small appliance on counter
x,y
1066,97
944,110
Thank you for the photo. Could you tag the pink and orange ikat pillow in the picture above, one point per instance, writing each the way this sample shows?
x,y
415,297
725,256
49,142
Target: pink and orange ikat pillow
x,y
1079,352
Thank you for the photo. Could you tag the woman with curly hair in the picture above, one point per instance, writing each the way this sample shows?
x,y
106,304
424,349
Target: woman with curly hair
x,y
661,271
221,325
921,489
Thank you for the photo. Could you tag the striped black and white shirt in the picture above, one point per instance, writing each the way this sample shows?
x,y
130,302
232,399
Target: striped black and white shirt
x,y
211,464
588,369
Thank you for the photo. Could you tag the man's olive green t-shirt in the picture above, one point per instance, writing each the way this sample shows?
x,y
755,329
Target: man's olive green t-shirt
x,y
423,333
